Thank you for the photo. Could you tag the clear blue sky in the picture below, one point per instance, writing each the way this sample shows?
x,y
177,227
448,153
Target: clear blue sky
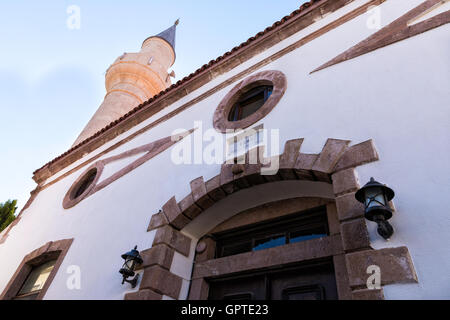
x,y
52,78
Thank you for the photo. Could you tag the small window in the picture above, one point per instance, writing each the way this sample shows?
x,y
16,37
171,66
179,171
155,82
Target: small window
x,y
35,281
269,242
298,227
83,186
250,102
85,182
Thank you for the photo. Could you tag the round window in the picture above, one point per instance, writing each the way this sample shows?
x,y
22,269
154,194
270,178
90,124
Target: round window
x,y
250,101
83,186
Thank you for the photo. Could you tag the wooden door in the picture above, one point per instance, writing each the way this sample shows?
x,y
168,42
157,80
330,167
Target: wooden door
x,y
310,282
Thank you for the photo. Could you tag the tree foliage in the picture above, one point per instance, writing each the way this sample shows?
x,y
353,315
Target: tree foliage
x,y
7,211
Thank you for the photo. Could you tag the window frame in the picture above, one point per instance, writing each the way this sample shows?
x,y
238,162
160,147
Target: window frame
x,y
312,219
86,181
20,295
273,78
242,103
72,198
53,250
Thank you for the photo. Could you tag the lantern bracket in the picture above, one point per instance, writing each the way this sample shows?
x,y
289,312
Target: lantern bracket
x,y
133,282
132,259
384,227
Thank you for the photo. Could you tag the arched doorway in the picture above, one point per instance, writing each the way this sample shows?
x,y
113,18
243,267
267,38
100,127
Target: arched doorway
x,y
183,261
282,250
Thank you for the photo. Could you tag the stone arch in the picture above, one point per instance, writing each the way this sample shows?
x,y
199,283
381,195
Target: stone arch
x,y
333,166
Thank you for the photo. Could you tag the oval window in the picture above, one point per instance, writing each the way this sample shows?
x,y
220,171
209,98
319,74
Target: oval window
x,y
250,102
84,184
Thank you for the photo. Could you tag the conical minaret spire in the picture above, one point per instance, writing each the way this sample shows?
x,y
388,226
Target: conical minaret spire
x,y
133,79
169,34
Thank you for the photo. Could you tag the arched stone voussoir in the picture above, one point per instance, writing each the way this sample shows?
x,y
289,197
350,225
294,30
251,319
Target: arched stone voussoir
x,y
253,169
215,192
357,155
328,157
189,208
335,164
174,216
288,159
235,177
199,193
303,166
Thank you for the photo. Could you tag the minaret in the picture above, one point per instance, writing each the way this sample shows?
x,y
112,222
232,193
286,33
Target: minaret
x,y
134,78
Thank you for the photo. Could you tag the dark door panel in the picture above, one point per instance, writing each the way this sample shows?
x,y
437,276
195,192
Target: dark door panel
x,y
313,282
247,288
316,292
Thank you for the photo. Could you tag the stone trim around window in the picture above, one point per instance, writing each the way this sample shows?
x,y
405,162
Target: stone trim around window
x,y
349,240
275,78
328,247
149,151
293,165
50,251
69,201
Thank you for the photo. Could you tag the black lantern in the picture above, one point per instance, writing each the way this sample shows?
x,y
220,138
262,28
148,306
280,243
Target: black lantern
x,y
375,197
132,258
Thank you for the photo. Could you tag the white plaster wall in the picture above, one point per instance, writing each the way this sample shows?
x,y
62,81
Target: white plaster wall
x,y
399,96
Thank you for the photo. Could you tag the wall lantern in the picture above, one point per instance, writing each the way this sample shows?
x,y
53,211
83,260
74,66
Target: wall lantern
x,y
132,259
375,197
